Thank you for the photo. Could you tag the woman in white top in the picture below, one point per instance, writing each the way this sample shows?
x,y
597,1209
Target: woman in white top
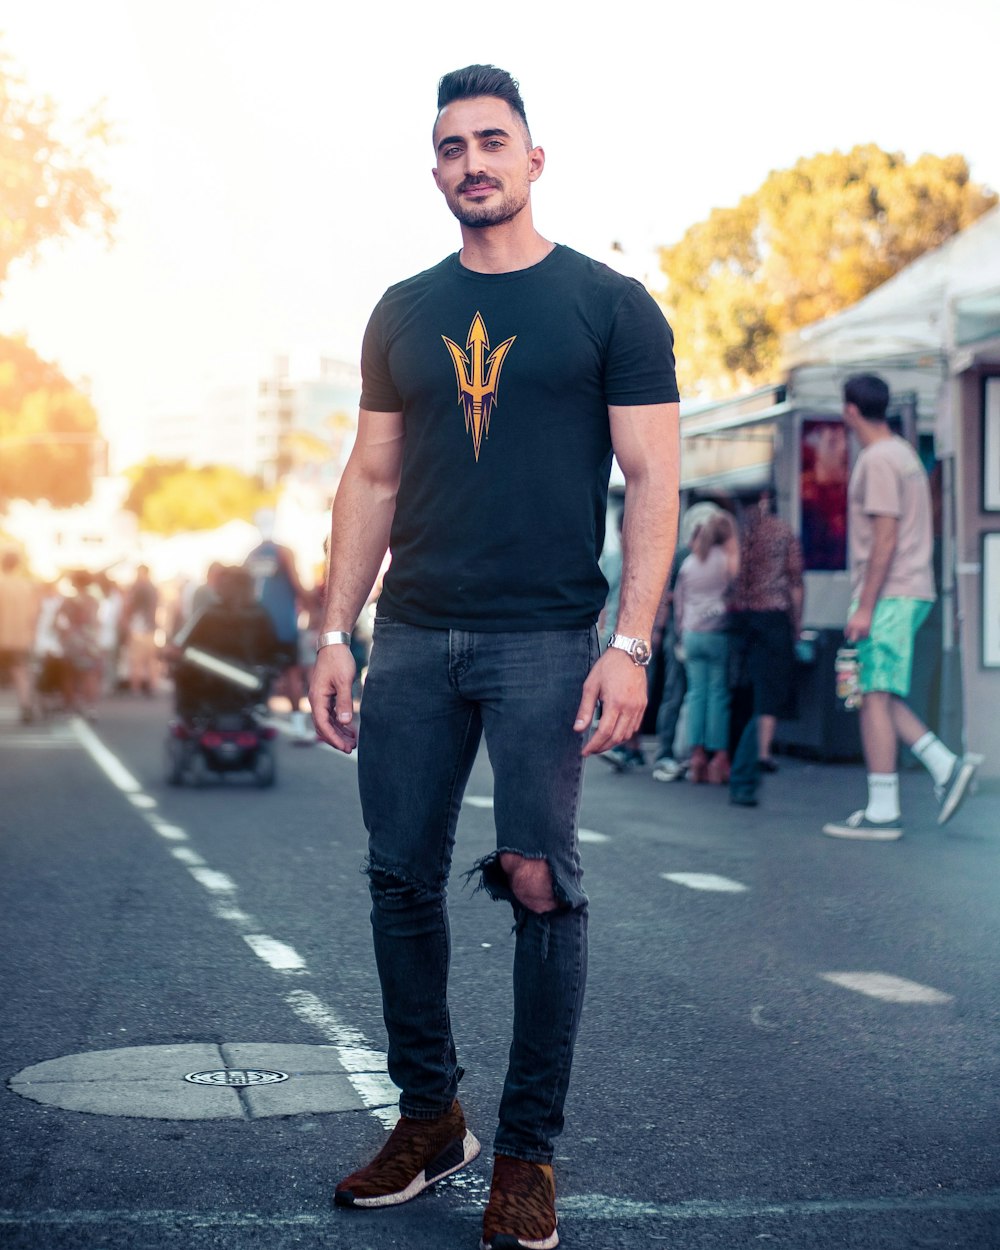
x,y
700,606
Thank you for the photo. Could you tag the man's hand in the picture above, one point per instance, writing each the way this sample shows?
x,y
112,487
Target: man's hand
x,y
619,685
330,694
859,625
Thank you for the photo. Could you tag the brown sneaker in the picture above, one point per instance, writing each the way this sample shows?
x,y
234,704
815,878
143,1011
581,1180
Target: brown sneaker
x,y
521,1212
418,1153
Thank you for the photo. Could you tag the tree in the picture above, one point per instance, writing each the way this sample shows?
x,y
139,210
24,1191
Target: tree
x,y
48,430
48,188
812,240
171,497
48,427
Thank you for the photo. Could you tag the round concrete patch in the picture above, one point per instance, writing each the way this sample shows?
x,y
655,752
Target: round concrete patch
x,y
148,1082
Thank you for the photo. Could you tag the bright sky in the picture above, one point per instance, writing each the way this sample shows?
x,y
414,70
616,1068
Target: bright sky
x,y
272,170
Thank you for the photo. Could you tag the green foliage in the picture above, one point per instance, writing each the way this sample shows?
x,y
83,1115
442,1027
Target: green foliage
x,y
811,241
47,185
48,430
171,497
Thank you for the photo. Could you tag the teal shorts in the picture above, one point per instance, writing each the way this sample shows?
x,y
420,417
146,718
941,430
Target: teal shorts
x,y
885,657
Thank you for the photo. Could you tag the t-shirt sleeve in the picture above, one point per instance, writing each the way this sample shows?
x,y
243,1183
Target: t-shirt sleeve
x,y
378,391
639,366
882,488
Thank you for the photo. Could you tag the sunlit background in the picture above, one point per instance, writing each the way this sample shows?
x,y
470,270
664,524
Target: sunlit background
x,y
268,167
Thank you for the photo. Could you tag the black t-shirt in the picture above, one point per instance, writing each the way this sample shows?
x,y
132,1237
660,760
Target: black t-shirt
x,y
504,382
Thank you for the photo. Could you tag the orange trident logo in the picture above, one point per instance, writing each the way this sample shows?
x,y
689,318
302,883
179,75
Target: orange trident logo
x,y
478,378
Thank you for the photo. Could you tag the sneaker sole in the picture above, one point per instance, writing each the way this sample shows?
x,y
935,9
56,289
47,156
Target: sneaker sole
x,y
959,790
863,835
507,1241
457,1156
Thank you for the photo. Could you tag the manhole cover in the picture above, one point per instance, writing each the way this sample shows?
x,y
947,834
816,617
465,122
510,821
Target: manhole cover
x,y
237,1076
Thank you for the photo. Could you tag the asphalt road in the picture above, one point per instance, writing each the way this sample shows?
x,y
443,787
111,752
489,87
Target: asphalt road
x,y
726,1092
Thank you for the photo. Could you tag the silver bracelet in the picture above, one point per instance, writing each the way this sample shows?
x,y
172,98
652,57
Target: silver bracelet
x,y
332,637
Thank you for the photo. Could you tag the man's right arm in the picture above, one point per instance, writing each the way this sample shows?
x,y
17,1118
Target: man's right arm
x,y
359,537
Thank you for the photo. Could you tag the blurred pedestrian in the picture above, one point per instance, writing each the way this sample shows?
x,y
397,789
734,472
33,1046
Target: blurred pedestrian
x,y
701,602
495,519
667,767
280,592
19,605
110,606
139,618
892,588
767,607
80,634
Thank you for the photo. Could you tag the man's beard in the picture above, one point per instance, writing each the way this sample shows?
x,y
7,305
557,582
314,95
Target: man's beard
x,y
479,216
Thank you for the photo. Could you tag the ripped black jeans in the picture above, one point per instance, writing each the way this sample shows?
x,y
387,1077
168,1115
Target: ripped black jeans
x,y
429,697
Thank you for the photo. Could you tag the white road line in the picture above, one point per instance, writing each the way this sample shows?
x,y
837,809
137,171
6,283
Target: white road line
x,y
887,987
110,765
591,835
594,1208
279,955
365,1066
187,856
478,800
214,882
704,881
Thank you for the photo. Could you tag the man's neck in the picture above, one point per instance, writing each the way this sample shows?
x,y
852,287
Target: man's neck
x,y
503,249
874,432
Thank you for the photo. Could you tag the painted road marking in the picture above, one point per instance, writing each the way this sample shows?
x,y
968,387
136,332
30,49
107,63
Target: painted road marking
x,y
888,988
591,835
704,881
365,1066
597,1208
279,955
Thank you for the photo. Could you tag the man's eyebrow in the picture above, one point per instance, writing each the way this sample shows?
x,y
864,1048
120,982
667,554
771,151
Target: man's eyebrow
x,y
493,131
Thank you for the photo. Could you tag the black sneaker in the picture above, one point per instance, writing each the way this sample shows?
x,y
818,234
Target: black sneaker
x,y
417,1154
954,790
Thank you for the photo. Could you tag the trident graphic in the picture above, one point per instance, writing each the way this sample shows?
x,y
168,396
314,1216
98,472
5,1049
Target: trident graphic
x,y
478,378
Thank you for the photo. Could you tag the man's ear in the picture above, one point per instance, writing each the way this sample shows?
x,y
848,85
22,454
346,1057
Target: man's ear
x,y
536,163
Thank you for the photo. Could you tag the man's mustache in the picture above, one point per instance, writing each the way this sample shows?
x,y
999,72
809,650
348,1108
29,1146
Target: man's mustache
x,y
467,183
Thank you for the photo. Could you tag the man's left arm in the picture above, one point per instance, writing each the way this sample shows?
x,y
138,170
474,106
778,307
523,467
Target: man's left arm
x,y
646,442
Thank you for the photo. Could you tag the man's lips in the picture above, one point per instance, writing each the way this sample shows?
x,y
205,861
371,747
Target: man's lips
x,y
478,189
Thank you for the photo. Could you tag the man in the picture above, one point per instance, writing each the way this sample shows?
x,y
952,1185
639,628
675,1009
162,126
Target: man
x,y
281,594
768,601
892,589
495,388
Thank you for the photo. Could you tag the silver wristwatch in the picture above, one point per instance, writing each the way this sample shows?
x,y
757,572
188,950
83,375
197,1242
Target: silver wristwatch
x,y
331,637
637,648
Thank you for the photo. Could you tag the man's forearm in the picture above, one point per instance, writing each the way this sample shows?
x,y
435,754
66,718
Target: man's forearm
x,y
649,535
359,539
878,567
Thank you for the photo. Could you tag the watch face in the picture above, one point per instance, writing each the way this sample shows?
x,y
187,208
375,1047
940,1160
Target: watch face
x,y
640,652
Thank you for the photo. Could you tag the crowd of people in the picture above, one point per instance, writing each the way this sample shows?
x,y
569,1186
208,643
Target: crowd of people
x,y
70,643
725,636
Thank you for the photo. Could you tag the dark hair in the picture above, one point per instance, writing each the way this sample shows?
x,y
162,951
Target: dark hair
x,y
480,80
869,394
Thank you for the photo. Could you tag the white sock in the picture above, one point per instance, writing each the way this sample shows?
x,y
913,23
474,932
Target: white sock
x,y
935,757
883,796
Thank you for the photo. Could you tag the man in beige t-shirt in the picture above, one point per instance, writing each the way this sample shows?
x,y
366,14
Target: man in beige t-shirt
x,y
892,590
